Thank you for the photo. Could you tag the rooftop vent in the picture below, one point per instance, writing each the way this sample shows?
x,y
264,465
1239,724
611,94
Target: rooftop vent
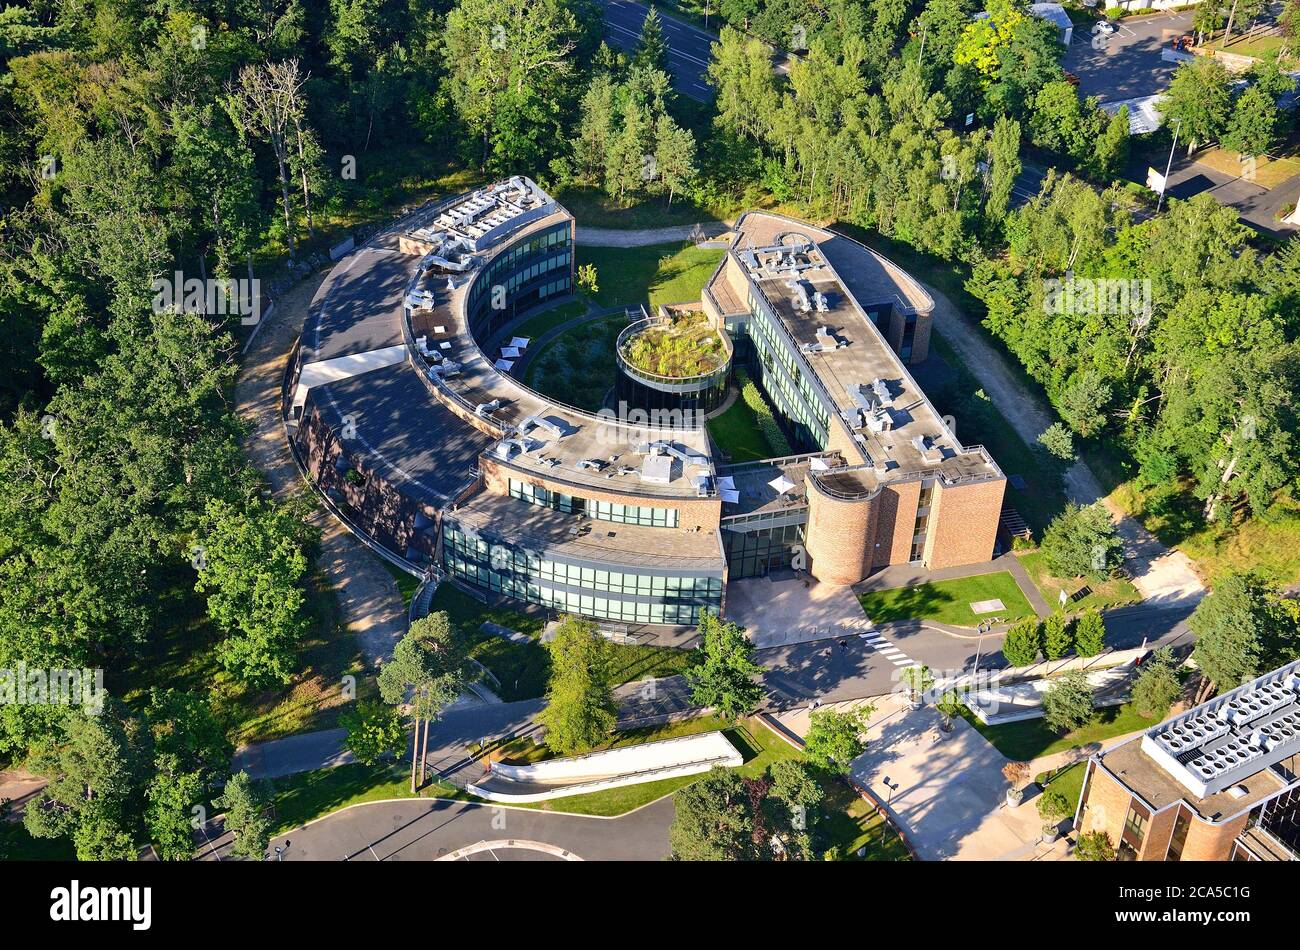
x,y
483,410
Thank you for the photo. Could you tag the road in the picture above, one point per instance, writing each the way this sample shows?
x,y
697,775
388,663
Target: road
x,y
688,46
829,672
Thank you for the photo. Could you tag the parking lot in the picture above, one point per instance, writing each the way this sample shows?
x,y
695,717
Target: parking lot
x,y
1127,63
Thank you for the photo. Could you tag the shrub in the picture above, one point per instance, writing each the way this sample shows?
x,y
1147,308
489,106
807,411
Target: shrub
x,y
1057,638
1094,846
1156,686
749,392
1053,805
1021,644
1089,633
1067,704
1058,440
1081,542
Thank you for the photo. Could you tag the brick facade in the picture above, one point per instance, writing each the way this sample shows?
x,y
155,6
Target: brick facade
x,y
963,523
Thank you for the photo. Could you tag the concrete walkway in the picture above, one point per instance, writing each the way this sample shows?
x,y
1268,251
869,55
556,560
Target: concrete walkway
x,y
948,791
371,606
1162,576
616,237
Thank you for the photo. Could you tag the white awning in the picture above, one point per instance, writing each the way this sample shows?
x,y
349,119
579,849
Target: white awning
x,y
781,484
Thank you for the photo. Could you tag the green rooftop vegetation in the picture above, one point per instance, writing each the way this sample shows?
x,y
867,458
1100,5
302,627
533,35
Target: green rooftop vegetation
x,y
681,347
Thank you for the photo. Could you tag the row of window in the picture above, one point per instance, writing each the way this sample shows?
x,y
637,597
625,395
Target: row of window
x,y
756,553
506,559
507,261
784,381
592,508
588,605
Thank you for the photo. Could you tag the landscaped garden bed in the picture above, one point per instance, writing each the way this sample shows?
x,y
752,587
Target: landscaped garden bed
x,y
680,348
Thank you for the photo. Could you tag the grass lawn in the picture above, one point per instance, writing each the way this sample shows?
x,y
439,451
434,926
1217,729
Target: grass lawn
x,y
407,584
657,273
577,367
1034,738
1068,781
737,433
305,796
1115,592
183,657
948,601
539,323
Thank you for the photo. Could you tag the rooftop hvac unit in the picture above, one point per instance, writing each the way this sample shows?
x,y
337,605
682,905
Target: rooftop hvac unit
x,y
819,299
880,421
487,408
881,389
801,302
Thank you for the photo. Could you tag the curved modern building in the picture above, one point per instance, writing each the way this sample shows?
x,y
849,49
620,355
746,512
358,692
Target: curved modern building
x,y
403,410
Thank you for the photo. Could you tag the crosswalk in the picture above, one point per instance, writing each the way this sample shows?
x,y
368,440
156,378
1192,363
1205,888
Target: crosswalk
x,y
886,649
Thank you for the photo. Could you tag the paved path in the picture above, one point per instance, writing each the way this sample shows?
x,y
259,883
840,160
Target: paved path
x,y
615,237
457,729
371,606
1162,576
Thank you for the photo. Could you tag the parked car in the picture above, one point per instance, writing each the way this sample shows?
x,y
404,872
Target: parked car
x,y
1104,27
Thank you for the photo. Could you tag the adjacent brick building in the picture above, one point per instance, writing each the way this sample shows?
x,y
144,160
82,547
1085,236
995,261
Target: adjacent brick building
x,y
1218,783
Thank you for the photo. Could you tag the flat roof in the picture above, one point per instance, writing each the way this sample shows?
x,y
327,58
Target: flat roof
x,y
545,530
753,481
1221,757
358,307
403,431
798,268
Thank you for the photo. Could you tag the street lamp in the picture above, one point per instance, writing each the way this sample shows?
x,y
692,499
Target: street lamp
x,y
984,628
280,850
1178,125
889,797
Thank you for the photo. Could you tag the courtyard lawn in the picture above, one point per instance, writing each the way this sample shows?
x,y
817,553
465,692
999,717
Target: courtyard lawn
x,y
1068,781
656,273
1116,592
737,433
577,368
1034,738
539,323
948,601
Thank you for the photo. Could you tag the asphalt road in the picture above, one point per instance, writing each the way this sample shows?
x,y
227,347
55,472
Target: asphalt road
x,y
829,672
427,830
688,46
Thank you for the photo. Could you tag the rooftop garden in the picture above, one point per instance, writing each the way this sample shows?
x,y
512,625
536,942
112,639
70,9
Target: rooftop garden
x,y
684,346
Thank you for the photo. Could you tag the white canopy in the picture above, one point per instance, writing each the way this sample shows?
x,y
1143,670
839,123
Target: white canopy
x,y
726,482
519,342
510,352
730,497
819,465
506,365
781,484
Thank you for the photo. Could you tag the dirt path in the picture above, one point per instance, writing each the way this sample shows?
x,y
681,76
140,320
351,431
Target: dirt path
x,y
1161,575
368,598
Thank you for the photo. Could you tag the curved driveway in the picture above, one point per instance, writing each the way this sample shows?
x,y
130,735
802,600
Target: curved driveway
x,y
412,830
